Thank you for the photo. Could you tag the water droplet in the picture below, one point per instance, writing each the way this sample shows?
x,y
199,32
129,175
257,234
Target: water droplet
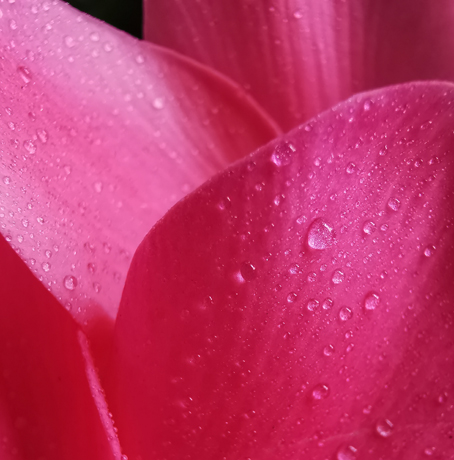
x,y
7,180
369,227
25,222
48,253
345,314
384,428
371,301
30,146
140,59
248,271
97,287
70,282
282,155
367,105
46,266
346,453
338,277
13,24
312,277
429,451
320,391
429,251
69,41
292,297
94,37
298,14
91,267
98,187
327,304
328,351
158,103
393,204
25,74
320,234
351,168
42,134
312,304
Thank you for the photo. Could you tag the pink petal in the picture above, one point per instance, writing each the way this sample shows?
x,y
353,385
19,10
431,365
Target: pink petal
x,y
51,404
300,57
101,134
300,305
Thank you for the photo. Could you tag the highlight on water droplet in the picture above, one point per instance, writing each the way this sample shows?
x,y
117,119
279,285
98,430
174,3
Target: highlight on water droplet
x,y
282,155
384,428
70,282
371,301
338,277
320,234
320,391
345,314
393,204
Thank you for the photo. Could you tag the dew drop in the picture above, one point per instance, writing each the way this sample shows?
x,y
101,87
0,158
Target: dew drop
x,y
328,350
345,314
298,14
429,251
312,304
158,103
320,391
327,304
42,134
25,74
384,428
351,168
98,187
429,451
69,41
46,266
140,59
367,105
248,271
371,301
7,180
282,155
346,453
320,234
312,277
30,146
369,227
338,277
70,282
94,37
393,204
292,297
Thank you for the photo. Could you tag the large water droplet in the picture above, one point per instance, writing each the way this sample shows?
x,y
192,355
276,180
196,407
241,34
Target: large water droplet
x,y
320,391
384,428
371,301
338,277
345,314
369,227
429,250
70,282
312,305
320,234
292,297
248,271
328,350
282,155
346,453
393,204
327,304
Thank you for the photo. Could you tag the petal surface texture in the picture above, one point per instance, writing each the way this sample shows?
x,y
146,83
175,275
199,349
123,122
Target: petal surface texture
x,y
51,403
100,135
299,57
300,304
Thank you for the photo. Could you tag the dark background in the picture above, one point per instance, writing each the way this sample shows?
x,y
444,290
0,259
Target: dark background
x,y
123,14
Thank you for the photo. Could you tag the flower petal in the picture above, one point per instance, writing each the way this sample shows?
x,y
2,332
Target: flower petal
x,y
51,403
300,304
300,57
101,134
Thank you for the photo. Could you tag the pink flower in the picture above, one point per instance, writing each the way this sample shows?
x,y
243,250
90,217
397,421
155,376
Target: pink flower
x,y
296,305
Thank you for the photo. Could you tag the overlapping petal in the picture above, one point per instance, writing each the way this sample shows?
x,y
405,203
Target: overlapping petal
x,y
100,135
51,403
299,57
300,304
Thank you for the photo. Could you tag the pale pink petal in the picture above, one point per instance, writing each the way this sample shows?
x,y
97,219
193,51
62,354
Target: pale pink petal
x,y
51,404
299,57
300,305
100,135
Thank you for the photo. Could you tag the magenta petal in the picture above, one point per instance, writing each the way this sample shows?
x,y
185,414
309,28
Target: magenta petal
x,y
300,305
51,404
100,135
299,57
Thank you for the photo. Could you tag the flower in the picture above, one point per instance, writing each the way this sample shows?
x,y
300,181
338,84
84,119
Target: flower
x,y
296,305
